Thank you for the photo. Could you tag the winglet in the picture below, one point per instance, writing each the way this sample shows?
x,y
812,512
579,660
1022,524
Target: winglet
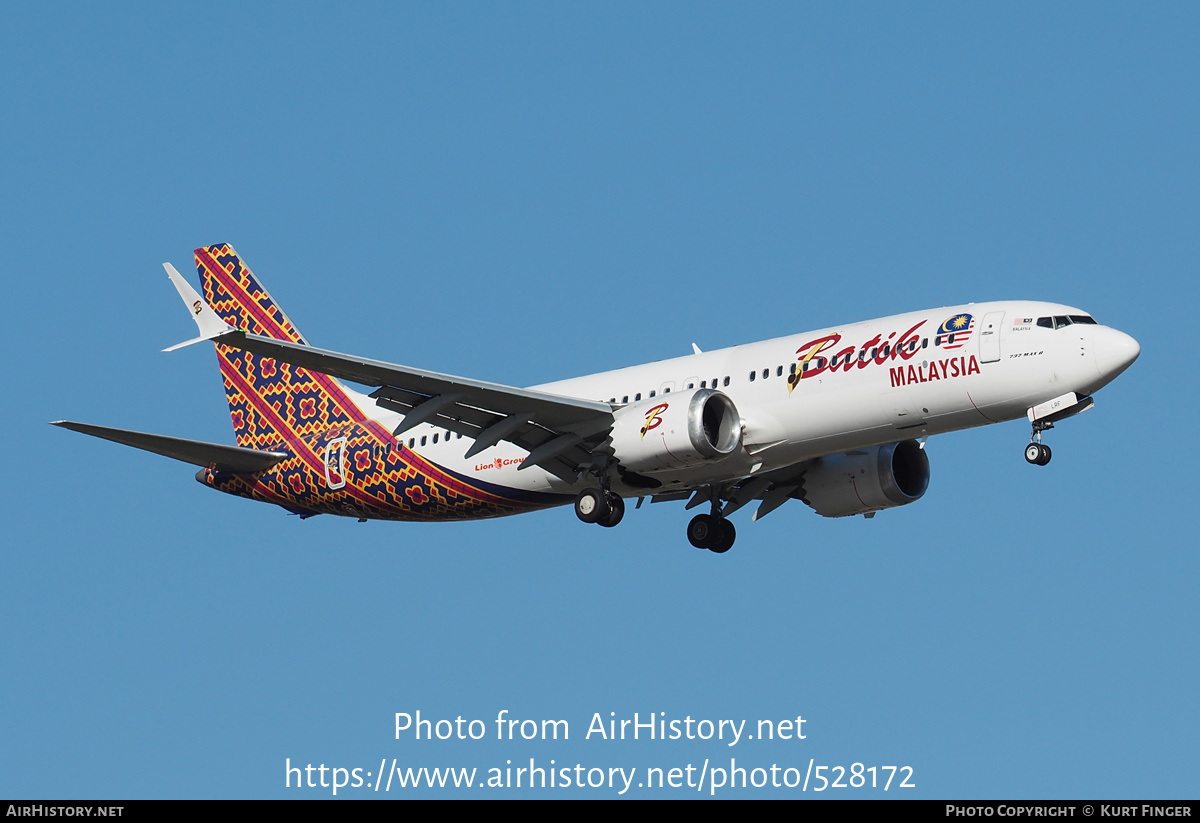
x,y
207,321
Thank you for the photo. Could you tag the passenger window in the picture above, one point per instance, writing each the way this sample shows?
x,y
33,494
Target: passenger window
x,y
752,374
726,380
637,397
422,440
412,441
779,372
435,438
766,373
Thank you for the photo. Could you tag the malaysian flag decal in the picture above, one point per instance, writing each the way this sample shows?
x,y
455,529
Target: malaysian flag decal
x,y
955,331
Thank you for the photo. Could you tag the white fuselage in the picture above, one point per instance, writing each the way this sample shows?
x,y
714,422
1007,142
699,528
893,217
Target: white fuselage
x,y
864,384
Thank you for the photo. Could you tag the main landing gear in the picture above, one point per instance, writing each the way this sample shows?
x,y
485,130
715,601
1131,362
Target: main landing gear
x,y
598,506
1037,452
712,532
706,531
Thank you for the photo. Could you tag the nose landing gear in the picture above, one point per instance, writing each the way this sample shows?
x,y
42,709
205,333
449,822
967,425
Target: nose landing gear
x,y
1037,452
1044,415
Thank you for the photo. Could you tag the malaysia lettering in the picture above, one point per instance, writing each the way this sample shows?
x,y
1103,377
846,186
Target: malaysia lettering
x,y
934,370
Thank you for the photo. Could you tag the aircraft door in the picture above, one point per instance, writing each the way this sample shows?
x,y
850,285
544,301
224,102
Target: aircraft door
x,y
335,463
989,337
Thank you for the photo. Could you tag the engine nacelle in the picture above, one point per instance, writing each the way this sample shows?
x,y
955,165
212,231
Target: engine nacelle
x,y
867,480
676,430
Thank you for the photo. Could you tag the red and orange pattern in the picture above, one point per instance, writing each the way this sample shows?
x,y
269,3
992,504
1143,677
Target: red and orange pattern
x,y
275,406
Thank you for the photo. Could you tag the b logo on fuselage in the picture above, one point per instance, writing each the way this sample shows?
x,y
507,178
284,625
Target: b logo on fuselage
x,y
652,418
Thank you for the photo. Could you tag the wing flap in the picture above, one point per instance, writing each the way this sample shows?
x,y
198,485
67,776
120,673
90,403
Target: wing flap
x,y
462,405
196,452
551,409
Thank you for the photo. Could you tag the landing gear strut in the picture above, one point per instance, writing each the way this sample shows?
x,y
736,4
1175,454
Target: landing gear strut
x,y
1037,452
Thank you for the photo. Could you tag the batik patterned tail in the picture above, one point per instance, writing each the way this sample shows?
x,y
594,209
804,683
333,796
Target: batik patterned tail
x,y
271,404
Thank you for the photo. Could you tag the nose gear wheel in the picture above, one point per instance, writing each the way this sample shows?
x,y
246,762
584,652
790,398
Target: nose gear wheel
x,y
1037,452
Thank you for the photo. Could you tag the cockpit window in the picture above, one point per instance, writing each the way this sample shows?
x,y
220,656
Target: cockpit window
x,y
1062,321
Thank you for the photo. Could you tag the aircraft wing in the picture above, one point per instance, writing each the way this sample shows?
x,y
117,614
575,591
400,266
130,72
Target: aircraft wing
x,y
560,433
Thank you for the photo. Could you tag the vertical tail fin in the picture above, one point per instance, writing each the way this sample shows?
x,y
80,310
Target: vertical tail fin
x,y
270,403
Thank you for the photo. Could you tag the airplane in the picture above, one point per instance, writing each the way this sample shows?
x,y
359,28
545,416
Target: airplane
x,y
836,418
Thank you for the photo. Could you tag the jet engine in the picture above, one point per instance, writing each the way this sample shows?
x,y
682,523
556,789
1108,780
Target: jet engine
x,y
867,480
676,430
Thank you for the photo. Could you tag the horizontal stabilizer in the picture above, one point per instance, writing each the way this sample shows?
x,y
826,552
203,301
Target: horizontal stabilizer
x,y
196,452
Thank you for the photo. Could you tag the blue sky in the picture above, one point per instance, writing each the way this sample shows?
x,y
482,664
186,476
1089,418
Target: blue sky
x,y
527,192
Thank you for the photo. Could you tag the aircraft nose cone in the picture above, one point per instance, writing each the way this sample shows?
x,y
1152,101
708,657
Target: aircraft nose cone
x,y
1115,352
